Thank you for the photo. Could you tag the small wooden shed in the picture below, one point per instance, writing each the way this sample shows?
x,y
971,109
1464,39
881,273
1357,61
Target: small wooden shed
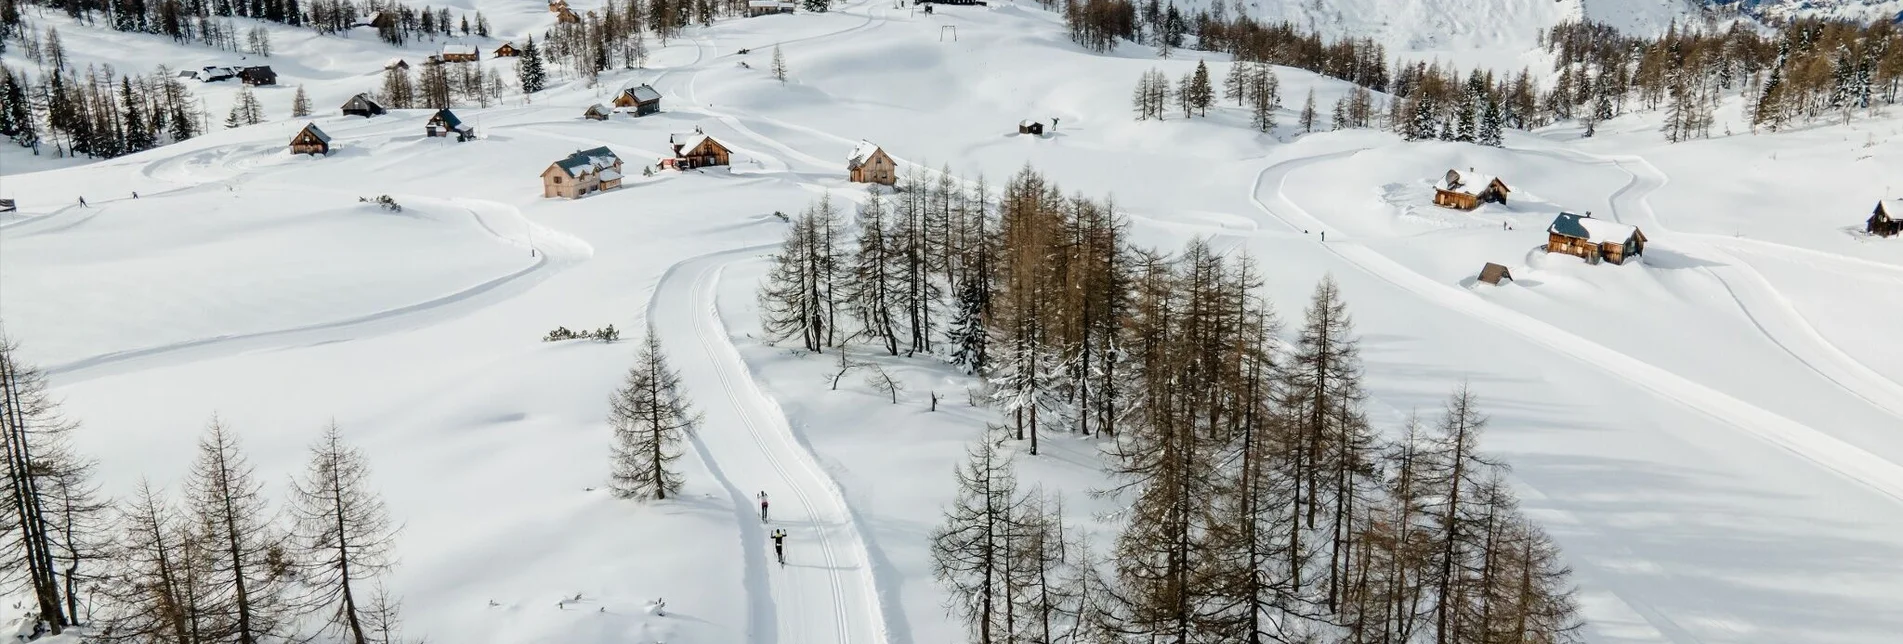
x,y
507,50
757,8
643,99
1030,127
1594,240
397,63
1493,274
362,105
598,112
1885,222
1466,191
869,164
310,140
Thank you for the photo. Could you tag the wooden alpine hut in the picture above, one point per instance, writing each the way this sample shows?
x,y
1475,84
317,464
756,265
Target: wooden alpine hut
x,y
598,112
1594,240
445,122
642,99
507,50
869,164
1884,221
310,140
1028,126
1466,191
362,105
460,54
697,150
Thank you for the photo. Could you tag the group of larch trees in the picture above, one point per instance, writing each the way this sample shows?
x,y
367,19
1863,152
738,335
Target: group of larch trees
x,y
216,565
1264,505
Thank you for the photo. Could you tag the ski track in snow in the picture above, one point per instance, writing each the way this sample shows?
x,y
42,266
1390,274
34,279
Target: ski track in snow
x,y
1769,310
1822,450
554,252
827,586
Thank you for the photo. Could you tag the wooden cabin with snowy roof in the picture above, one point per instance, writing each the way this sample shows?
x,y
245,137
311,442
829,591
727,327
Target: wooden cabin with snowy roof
x,y
507,50
459,54
362,105
258,75
1885,221
1028,126
1466,191
697,150
869,164
310,140
1594,240
598,112
642,99
582,173
445,123
757,8
396,63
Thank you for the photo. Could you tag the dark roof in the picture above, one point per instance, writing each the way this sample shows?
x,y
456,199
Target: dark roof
x,y
595,159
643,94
448,119
365,100
1493,273
6,205
1597,231
312,128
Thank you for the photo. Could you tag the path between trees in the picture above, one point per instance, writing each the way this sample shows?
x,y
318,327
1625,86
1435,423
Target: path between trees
x,y
825,593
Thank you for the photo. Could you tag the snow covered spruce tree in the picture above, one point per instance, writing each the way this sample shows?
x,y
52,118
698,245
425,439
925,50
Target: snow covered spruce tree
x,y
650,416
51,523
800,297
343,537
246,563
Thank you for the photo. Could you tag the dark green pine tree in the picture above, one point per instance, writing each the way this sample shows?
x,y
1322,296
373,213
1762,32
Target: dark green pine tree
x,y
529,69
138,135
967,335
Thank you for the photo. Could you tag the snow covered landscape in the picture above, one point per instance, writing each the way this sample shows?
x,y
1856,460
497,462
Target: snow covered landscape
x,y
1711,432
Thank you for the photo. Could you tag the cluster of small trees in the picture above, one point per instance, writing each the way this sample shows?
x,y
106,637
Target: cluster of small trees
x,y
217,565
396,24
615,37
441,85
99,113
1807,69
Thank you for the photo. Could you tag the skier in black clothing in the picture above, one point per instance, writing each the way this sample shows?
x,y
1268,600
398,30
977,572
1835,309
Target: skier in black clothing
x,y
779,545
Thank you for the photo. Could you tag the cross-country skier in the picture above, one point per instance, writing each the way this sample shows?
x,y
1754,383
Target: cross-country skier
x,y
779,545
763,506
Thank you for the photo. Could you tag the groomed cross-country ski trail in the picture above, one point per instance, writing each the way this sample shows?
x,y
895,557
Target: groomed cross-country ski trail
x,y
825,593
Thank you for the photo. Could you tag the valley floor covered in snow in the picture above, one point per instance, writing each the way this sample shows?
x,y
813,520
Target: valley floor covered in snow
x,y
1714,434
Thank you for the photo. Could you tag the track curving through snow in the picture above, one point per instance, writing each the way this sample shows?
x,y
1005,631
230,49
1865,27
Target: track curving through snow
x,y
826,593
1821,449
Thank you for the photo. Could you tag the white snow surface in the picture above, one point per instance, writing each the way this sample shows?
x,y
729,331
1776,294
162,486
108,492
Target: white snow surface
x,y
1710,434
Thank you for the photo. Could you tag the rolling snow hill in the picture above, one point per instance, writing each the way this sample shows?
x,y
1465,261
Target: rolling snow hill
x,y
1709,433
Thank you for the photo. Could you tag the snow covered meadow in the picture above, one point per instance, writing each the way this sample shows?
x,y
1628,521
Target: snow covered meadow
x,y
1713,435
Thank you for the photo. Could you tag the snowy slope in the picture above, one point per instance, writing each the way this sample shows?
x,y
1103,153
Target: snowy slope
x,y
1706,432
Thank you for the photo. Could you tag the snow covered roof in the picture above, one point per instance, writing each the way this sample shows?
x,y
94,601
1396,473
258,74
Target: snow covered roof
x,y
1468,183
861,154
1883,208
769,4
590,160
1597,231
610,174
466,50
448,119
600,108
1026,123
643,93
312,128
685,142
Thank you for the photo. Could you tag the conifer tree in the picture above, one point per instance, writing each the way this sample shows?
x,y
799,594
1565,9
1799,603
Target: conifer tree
x,y
971,548
246,562
138,133
650,416
1308,112
779,64
48,518
300,103
343,535
529,70
1201,93
874,276
1265,97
